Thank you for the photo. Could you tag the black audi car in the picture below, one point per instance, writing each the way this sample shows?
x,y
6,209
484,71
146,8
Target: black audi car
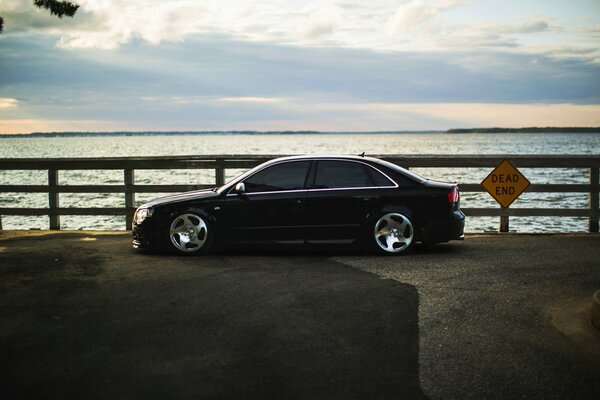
x,y
306,200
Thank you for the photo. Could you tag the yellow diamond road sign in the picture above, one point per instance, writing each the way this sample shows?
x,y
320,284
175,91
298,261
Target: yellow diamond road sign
x,y
505,183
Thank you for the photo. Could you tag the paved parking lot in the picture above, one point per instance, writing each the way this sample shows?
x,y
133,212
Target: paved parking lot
x,y
85,316
504,316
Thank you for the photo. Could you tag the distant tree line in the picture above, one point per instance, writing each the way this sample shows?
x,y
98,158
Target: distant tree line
x,y
549,129
153,133
58,8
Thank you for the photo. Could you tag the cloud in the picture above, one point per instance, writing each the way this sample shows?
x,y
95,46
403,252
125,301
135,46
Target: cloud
x,y
201,70
529,27
249,100
204,100
320,23
8,102
377,25
415,17
499,114
12,126
152,21
419,25
262,70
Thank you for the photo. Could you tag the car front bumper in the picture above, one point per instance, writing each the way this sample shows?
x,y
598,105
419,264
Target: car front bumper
x,y
146,236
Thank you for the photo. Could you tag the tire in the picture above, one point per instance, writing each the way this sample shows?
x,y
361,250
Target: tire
x,y
393,233
189,234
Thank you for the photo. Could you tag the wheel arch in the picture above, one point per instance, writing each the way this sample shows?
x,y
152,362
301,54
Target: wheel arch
x,y
187,208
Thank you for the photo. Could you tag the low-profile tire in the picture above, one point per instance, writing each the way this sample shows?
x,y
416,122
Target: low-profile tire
x,y
393,233
189,233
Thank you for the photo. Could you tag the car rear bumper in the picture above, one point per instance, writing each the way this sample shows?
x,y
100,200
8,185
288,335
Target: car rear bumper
x,y
440,231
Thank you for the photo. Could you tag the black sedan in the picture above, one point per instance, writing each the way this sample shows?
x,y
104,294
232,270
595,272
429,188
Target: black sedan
x,y
306,200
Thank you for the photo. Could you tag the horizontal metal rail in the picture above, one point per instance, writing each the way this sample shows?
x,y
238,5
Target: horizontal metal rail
x,y
220,163
99,188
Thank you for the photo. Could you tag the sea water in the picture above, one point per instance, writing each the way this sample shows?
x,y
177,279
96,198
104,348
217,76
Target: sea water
x,y
276,144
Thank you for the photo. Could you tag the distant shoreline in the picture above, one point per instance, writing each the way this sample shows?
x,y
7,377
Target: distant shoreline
x,y
200,133
534,129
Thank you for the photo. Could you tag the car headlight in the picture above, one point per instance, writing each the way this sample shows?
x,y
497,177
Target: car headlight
x,y
141,214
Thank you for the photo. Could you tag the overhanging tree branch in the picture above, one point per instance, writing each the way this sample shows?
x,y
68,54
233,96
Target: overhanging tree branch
x,y
58,8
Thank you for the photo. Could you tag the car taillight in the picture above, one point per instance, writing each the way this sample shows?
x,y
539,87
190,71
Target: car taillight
x,y
453,195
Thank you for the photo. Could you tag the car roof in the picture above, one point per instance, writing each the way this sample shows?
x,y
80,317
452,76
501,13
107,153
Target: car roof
x,y
324,156
371,160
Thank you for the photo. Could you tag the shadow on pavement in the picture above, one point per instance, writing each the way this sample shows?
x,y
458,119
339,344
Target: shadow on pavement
x,y
233,326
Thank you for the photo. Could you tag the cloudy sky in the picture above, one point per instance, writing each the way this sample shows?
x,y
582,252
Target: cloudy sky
x,y
300,65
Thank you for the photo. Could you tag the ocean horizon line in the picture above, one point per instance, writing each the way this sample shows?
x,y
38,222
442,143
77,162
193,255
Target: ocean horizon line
x,y
200,133
67,134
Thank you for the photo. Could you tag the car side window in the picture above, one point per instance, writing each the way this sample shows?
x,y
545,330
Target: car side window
x,y
404,181
379,179
341,174
286,176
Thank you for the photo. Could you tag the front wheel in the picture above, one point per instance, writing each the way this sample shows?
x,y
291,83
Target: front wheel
x,y
189,234
393,233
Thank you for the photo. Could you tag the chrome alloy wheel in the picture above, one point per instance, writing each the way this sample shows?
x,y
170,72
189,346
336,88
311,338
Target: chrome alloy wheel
x,y
188,233
394,233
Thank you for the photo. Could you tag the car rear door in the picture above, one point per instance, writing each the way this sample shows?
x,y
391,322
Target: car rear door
x,y
340,196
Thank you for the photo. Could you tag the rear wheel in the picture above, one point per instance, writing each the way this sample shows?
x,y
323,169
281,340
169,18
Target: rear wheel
x,y
393,233
189,234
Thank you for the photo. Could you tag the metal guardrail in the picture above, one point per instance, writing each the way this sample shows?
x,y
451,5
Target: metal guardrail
x,y
220,163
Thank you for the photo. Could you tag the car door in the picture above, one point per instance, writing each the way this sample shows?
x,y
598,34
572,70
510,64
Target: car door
x,y
271,208
338,201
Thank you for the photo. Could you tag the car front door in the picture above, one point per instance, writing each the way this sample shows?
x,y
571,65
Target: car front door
x,y
271,206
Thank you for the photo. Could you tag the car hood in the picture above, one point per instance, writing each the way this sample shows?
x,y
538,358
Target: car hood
x,y
180,197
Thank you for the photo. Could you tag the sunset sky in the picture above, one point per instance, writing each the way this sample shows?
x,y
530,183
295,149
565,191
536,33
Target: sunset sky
x,y
139,65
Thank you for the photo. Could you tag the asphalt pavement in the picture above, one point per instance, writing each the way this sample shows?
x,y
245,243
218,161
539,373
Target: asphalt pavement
x,y
496,316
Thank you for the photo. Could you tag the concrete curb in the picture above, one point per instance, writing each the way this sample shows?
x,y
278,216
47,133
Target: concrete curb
x,y
596,309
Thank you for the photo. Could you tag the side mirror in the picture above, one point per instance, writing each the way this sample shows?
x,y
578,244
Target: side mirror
x,y
240,188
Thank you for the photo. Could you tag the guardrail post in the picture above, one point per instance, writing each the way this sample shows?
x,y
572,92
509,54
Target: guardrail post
x,y
129,197
503,219
595,182
53,199
220,174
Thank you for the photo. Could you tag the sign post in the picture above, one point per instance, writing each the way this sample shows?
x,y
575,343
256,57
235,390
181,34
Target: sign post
x,y
505,183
